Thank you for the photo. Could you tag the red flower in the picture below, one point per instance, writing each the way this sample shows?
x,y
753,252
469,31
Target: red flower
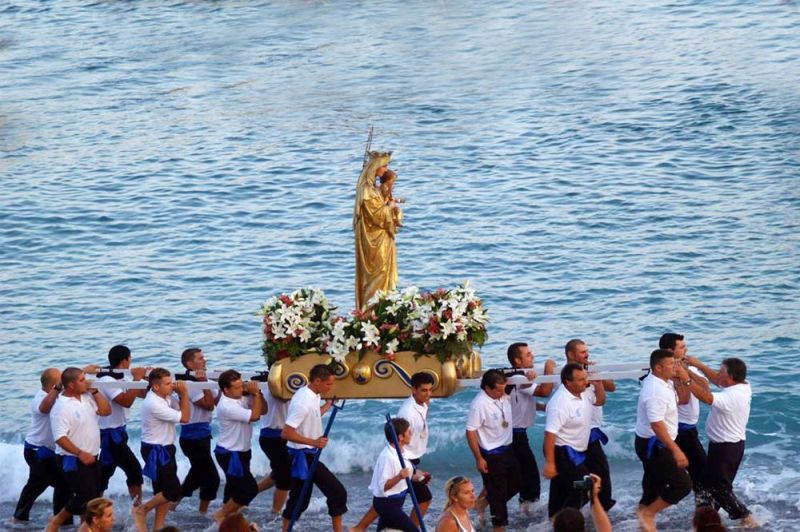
x,y
286,300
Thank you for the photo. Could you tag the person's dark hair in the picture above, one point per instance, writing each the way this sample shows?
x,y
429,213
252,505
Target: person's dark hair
x,y
736,368
156,374
321,372
658,355
117,354
492,378
70,375
567,372
515,351
95,508
705,517
420,378
227,378
569,520
235,522
188,355
668,340
572,345
400,427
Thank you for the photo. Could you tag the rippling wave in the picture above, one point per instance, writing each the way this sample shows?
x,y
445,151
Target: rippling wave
x,y
605,171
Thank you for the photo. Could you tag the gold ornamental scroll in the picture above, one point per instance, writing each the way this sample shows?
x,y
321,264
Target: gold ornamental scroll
x,y
374,376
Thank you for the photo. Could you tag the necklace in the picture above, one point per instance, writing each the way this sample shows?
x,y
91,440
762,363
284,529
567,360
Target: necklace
x,y
502,413
424,432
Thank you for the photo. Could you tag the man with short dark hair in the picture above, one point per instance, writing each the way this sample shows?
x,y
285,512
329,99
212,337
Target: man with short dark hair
x,y
577,352
160,414
688,414
414,410
303,431
523,413
725,427
40,451
76,432
665,481
195,438
566,436
236,412
113,429
489,435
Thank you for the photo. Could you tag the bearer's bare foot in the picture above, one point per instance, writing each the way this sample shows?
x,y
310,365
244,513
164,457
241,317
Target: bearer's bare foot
x,y
355,529
647,521
136,500
139,518
525,507
749,522
218,516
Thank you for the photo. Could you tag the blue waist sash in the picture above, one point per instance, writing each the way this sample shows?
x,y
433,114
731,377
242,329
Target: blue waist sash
x,y
42,452
268,432
598,434
235,468
299,463
686,426
116,435
496,450
158,455
652,444
520,429
196,431
576,457
69,463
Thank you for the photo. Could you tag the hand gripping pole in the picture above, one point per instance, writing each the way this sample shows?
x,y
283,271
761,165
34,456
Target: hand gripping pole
x,y
396,443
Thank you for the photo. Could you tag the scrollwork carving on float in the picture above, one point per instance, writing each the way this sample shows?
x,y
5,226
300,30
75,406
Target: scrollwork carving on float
x,y
374,376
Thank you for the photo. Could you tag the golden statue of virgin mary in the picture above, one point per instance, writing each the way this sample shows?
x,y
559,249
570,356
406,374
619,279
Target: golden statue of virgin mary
x,y
375,224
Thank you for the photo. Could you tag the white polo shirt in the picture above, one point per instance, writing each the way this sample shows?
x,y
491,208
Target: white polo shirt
x,y
486,416
304,416
569,417
199,414
275,418
159,417
690,412
657,402
386,467
40,434
523,405
235,430
417,416
119,414
76,418
730,410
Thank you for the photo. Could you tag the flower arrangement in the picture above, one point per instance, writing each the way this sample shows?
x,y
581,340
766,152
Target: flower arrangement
x,y
296,323
444,323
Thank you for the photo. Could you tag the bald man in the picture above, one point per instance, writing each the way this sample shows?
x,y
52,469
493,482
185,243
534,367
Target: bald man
x,y
40,452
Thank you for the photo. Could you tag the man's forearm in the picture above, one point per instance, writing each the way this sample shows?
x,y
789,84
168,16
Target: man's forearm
x,y
472,441
290,434
600,517
661,432
65,443
549,447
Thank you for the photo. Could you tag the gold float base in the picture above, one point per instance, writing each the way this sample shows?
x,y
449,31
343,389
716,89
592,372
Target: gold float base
x,y
374,376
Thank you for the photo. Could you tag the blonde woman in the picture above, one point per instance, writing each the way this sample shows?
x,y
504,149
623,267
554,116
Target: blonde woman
x,y
461,497
98,516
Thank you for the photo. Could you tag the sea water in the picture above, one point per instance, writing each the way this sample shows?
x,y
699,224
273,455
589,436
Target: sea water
x,y
602,170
